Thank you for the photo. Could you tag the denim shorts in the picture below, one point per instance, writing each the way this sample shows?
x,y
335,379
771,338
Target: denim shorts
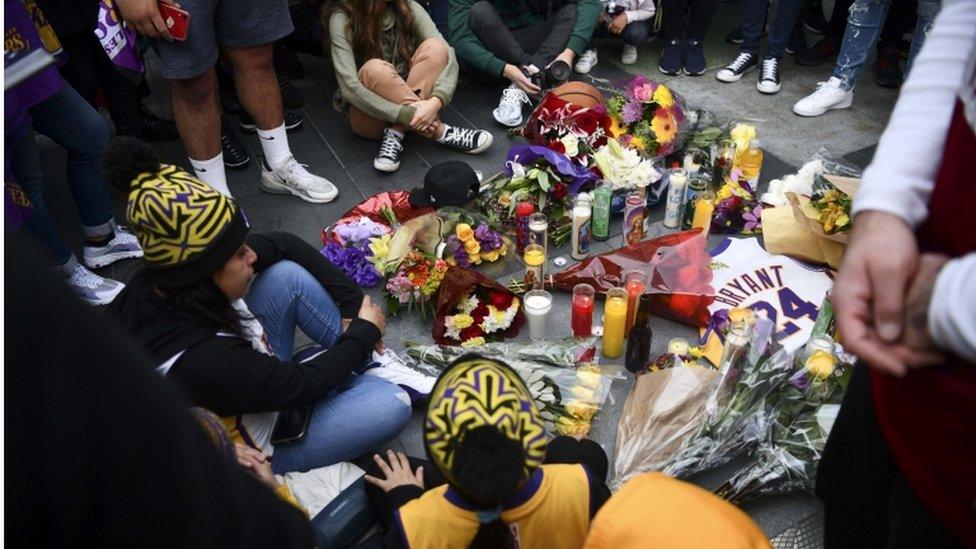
x,y
232,23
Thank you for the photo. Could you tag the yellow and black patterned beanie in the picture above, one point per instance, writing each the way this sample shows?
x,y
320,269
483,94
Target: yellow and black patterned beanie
x,y
475,392
187,229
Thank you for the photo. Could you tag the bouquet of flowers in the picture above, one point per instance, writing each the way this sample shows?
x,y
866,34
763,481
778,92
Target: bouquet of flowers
x,y
567,385
737,210
567,128
624,168
648,117
542,176
467,246
415,282
472,309
834,206
787,458
357,246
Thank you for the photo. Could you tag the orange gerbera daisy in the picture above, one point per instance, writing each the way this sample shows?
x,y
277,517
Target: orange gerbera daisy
x,y
664,125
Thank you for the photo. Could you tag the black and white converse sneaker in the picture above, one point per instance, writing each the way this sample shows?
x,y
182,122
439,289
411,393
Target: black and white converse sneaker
x,y
769,77
391,147
466,140
742,64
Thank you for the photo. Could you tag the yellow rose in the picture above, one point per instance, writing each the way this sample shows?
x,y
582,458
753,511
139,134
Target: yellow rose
x,y
743,134
475,258
503,250
662,96
581,410
472,246
572,427
821,364
464,232
473,342
490,256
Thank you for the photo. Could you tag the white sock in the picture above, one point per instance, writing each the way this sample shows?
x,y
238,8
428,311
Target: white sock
x,y
211,172
443,135
274,143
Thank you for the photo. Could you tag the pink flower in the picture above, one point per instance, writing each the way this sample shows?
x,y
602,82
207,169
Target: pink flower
x,y
643,92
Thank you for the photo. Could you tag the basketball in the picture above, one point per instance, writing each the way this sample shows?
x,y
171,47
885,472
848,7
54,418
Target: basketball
x,y
579,93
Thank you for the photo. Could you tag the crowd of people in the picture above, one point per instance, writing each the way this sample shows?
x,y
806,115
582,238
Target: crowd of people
x,y
213,309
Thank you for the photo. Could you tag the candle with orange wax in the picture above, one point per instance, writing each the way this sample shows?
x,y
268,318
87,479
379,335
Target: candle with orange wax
x,y
634,281
704,208
614,321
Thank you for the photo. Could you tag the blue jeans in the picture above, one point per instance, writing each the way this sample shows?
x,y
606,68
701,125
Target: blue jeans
x,y
354,418
71,122
753,19
634,34
864,26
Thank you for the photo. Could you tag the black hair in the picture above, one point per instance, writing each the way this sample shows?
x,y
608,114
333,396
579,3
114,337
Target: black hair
x,y
206,302
124,159
486,481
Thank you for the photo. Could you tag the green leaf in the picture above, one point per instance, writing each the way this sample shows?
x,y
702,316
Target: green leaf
x,y
544,180
542,200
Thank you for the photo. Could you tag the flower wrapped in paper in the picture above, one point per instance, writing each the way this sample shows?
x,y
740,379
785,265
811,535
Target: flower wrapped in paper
x,y
648,117
473,309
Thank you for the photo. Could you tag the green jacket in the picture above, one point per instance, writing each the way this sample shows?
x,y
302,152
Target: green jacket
x,y
515,14
351,90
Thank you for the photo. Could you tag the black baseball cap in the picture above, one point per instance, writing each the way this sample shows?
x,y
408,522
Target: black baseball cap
x,y
451,183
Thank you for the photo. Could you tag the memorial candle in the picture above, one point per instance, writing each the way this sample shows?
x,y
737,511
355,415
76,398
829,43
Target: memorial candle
x,y
582,319
614,321
634,282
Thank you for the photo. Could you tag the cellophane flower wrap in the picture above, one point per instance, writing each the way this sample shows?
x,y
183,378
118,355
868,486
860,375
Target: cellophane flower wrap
x,y
787,457
564,377
473,309
415,283
648,117
542,176
677,268
736,413
567,128
357,245
737,210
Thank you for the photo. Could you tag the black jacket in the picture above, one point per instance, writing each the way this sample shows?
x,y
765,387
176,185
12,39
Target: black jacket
x,y
226,374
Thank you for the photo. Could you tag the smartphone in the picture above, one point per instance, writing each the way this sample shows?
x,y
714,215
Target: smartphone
x,y
291,426
176,20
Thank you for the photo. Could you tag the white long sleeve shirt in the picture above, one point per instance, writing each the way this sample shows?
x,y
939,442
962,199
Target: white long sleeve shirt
x,y
900,179
635,10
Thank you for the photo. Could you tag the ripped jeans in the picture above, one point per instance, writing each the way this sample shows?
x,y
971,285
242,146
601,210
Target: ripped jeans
x,y
863,29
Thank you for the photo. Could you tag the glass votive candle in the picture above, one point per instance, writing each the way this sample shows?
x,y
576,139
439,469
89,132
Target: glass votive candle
x,y
635,280
614,321
537,305
582,317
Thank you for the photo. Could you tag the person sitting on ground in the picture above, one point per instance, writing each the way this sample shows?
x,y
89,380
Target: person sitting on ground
x,y
395,74
247,29
626,19
506,485
513,39
227,335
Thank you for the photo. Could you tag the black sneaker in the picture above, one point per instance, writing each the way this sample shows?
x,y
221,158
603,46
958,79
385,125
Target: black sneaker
x,y
671,58
819,53
391,147
236,156
293,121
769,77
693,58
887,71
816,22
152,128
466,140
286,61
735,36
290,96
742,64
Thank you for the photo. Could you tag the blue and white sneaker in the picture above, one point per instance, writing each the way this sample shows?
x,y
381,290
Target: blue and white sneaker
x,y
393,369
92,288
124,245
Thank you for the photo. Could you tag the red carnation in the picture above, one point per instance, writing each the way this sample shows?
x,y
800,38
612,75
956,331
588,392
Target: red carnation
x,y
557,146
480,312
559,191
588,122
471,332
501,300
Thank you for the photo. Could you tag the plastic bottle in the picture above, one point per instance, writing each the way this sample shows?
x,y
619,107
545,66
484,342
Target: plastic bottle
x,y
750,162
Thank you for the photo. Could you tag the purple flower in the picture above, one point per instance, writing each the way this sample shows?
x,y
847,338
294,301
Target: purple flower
x,y
354,262
526,155
454,248
489,239
632,112
800,380
753,218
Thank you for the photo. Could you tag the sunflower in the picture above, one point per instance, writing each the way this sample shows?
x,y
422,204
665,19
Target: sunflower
x,y
664,125
616,128
662,96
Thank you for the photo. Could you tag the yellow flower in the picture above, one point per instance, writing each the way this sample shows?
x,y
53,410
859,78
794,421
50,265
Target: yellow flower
x,y
503,250
638,143
464,232
505,199
380,246
570,427
821,364
461,322
743,134
490,256
581,410
475,258
665,126
662,96
472,246
590,380
616,128
583,393
474,342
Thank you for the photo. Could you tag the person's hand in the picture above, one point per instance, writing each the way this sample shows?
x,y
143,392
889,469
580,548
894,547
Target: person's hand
x,y
518,78
425,114
257,464
145,17
567,55
373,313
397,473
616,26
916,333
868,295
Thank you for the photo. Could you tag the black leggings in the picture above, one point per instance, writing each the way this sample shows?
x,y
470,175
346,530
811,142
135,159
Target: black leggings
x,y
699,19
533,45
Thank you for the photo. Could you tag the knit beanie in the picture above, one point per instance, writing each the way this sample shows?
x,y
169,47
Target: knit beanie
x,y
187,229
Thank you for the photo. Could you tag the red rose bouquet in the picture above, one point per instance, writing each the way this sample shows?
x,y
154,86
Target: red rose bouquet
x,y
567,128
473,309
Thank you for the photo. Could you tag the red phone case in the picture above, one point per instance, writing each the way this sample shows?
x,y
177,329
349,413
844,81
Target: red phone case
x,y
176,20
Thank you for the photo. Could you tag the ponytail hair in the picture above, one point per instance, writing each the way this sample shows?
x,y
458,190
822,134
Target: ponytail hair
x,y
489,468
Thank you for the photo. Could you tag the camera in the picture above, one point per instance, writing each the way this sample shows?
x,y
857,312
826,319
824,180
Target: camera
x,y
555,74
613,9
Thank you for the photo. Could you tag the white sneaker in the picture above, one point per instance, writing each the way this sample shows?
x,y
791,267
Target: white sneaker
x,y
587,61
124,245
292,178
92,288
629,55
509,111
393,369
829,95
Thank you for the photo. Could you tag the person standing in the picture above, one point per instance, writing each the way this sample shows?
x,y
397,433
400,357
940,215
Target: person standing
x,y
247,29
897,470
753,20
683,38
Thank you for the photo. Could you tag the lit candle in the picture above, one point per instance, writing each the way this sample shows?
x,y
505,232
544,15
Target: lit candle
x,y
614,321
634,281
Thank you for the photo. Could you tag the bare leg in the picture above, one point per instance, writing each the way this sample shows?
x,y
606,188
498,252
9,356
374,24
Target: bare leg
x,y
257,84
197,111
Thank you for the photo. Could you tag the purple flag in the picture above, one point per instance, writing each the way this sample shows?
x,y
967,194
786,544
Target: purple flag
x,y
117,39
